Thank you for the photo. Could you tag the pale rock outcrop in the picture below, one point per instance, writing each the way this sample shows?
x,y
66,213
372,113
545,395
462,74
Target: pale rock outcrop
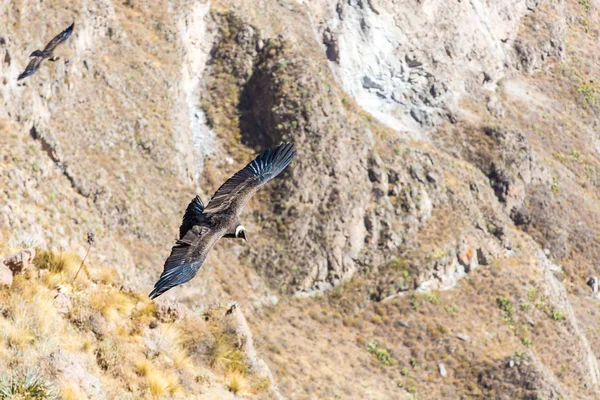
x,y
194,139
409,64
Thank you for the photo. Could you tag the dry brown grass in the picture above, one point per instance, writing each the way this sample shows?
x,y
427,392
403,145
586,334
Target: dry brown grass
x,y
71,391
237,383
132,353
160,383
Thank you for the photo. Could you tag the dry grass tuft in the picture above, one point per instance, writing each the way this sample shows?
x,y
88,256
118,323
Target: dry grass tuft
x,y
224,355
63,262
70,391
107,276
238,383
160,383
17,335
112,304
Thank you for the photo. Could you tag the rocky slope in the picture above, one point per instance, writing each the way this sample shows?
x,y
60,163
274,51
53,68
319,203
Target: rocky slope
x,y
432,239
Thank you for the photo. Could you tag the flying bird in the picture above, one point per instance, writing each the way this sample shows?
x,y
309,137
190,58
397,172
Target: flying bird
x,y
203,227
48,53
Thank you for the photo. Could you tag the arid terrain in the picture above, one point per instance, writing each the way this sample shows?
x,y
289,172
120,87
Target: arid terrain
x,y
432,239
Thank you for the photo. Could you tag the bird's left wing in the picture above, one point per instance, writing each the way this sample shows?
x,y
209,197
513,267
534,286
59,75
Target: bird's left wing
x,y
60,38
233,195
186,258
193,216
33,66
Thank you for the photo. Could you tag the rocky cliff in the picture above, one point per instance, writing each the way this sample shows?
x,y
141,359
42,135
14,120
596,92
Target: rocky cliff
x,y
432,239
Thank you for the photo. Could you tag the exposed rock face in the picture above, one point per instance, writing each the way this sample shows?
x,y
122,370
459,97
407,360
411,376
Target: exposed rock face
x,y
246,341
399,66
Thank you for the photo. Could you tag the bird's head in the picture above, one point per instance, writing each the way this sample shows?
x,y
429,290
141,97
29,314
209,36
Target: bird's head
x,y
240,232
37,53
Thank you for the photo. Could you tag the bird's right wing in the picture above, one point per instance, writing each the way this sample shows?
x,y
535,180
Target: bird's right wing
x,y
233,195
60,38
186,258
33,66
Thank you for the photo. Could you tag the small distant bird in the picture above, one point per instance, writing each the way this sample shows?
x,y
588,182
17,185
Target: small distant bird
x,y
47,53
203,227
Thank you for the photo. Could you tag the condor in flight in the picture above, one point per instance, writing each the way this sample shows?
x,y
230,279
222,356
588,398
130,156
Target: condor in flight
x,y
47,53
203,227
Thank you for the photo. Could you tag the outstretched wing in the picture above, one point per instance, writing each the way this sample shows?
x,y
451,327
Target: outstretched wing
x,y
233,195
185,260
193,216
60,38
31,68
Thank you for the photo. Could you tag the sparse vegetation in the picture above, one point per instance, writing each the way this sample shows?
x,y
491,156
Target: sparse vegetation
x,y
433,298
415,302
507,307
380,353
452,310
585,4
532,294
556,315
555,185
590,92
414,362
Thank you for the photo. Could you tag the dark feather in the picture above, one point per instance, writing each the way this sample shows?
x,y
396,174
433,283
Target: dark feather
x,y
174,277
60,38
31,68
192,216
237,190
185,260
202,228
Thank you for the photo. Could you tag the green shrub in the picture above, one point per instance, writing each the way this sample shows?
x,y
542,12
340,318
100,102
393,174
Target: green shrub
x,y
452,310
532,294
27,387
556,315
433,299
507,307
381,354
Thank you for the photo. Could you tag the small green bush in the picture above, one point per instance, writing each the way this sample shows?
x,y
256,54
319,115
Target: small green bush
x,y
556,315
452,310
381,354
433,299
30,386
507,307
532,294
